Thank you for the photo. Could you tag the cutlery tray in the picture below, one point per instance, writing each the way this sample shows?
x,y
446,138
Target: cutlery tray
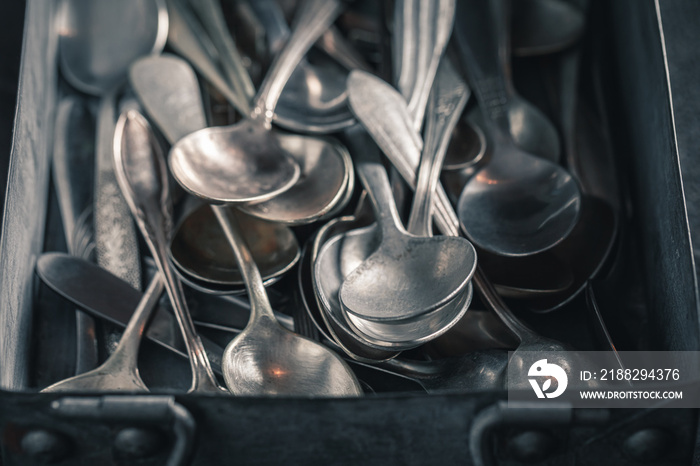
x,y
656,308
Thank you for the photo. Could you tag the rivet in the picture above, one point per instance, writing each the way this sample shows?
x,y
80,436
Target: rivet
x,y
137,442
45,446
531,446
649,444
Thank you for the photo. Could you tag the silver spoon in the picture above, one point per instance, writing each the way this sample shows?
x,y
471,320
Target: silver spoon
x,y
518,204
447,100
267,359
214,163
143,177
89,29
407,276
187,38
168,89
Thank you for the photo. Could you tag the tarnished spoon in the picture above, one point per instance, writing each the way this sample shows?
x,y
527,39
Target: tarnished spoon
x,y
545,26
267,359
406,276
143,177
215,163
518,204
168,88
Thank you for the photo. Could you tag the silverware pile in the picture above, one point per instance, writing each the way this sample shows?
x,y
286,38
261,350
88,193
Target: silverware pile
x,y
250,174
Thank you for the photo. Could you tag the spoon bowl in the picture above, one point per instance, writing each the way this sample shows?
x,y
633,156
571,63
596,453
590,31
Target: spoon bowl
x,y
327,176
519,204
200,248
218,164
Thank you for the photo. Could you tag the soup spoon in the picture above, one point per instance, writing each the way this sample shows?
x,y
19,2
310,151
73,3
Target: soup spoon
x,y
215,163
518,204
407,276
266,358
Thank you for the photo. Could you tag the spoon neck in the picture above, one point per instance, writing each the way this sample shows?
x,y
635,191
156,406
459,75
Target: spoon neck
x,y
129,343
313,18
259,303
484,42
376,182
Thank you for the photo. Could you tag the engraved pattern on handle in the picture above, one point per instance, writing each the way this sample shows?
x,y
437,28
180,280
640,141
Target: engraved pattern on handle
x,y
116,244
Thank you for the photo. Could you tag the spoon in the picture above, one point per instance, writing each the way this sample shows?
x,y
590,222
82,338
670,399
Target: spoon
x,y
143,177
214,163
447,100
407,276
177,107
267,359
120,371
518,204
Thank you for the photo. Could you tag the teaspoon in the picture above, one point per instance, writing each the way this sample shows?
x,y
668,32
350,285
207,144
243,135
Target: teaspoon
x,y
143,177
518,204
169,91
267,359
217,164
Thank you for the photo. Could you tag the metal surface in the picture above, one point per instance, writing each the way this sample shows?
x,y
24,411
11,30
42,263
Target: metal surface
x,y
143,177
200,248
120,371
383,113
89,30
219,166
518,204
265,358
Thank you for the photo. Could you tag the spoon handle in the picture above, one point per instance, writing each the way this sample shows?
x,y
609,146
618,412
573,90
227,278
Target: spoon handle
x,y
447,101
143,178
376,182
125,356
185,37
212,16
393,131
423,30
259,302
313,18
482,38
167,88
